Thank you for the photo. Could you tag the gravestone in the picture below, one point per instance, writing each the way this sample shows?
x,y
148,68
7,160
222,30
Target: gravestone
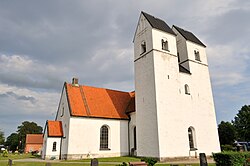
x,y
94,162
203,159
10,162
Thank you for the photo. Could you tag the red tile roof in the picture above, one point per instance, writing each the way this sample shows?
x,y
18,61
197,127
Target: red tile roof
x,y
131,106
98,102
54,128
34,138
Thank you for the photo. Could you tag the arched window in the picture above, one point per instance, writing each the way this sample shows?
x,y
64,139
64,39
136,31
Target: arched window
x,y
197,55
164,44
135,138
54,146
104,138
143,47
187,91
191,138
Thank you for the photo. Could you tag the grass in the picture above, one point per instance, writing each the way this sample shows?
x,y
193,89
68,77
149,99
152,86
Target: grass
x,y
109,159
76,164
83,162
17,156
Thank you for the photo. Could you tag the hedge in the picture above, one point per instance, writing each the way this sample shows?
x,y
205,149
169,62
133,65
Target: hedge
x,y
231,158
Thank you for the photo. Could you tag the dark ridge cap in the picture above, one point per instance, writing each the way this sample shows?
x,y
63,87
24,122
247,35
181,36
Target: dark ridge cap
x,y
183,70
189,36
158,23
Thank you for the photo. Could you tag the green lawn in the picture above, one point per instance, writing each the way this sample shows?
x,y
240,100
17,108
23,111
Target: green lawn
x,y
16,156
109,159
74,164
3,161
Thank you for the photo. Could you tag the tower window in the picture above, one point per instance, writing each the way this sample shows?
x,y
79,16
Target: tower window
x,y
164,44
191,138
187,90
143,47
197,55
135,138
104,138
54,146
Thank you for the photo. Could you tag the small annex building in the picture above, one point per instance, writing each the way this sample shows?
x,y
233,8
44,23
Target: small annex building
x,y
170,114
34,142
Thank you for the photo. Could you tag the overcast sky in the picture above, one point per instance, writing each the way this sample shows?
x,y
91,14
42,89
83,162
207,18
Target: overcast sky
x,y
45,43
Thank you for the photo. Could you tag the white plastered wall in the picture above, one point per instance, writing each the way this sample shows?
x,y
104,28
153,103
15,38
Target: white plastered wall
x,y
63,115
132,125
49,147
163,111
146,118
44,143
84,137
201,101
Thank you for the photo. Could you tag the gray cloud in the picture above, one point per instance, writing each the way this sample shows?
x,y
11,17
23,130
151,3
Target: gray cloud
x,y
45,43
18,97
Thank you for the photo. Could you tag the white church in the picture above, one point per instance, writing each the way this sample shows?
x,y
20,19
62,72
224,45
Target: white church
x,y
170,114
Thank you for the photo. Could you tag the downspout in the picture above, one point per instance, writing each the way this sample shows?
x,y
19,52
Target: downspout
x,y
129,135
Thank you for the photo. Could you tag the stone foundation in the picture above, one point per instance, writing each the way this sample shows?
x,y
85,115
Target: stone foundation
x,y
86,156
51,157
175,159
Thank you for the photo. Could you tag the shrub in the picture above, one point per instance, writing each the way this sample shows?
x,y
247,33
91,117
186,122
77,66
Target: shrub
x,y
228,148
149,160
123,164
230,158
5,153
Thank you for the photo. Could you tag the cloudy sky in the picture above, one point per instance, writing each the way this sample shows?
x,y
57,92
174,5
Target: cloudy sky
x,y
45,43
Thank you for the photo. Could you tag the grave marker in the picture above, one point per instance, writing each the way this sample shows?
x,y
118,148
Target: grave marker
x,y
94,162
203,159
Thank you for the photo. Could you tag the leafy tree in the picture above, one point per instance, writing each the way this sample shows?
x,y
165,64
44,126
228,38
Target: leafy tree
x,y
27,128
242,123
1,137
12,142
227,133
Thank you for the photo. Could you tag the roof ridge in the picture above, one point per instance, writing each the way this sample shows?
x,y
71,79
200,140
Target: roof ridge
x,y
158,23
188,35
100,88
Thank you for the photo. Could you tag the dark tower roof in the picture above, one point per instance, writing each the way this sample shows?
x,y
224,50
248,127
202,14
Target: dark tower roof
x,y
189,36
158,23
183,69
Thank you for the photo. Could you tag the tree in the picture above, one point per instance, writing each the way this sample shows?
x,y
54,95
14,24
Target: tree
x,y
1,137
12,142
27,128
242,123
227,133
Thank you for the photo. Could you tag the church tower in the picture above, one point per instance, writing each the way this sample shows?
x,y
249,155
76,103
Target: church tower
x,y
168,108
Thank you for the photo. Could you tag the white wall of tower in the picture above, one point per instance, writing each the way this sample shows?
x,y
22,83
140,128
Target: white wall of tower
x,y
163,111
146,117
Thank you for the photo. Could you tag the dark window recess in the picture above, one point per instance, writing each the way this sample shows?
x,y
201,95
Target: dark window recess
x,y
164,44
135,138
191,138
187,90
143,47
197,55
104,136
54,146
